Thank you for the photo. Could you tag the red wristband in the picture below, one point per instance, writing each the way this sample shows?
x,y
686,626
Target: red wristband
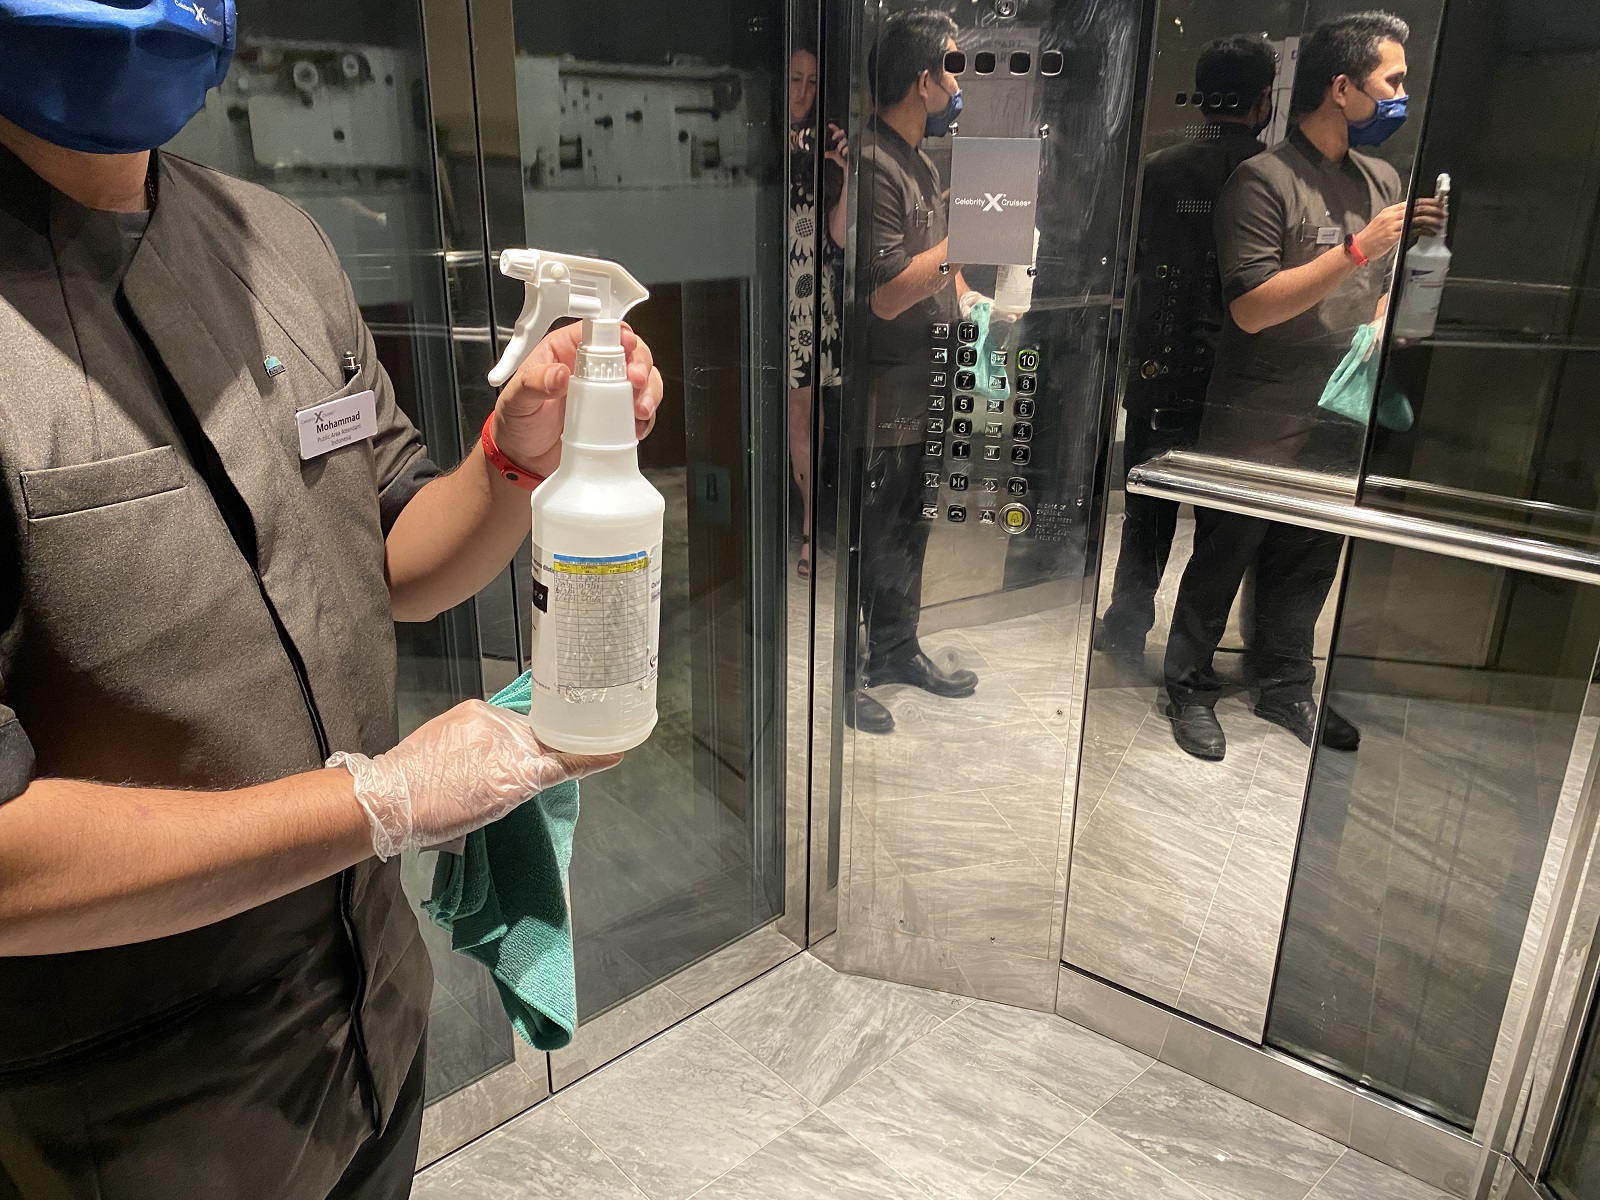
x,y
527,480
1354,251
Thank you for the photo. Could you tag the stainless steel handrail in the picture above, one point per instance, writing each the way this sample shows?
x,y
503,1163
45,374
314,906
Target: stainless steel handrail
x,y
1325,502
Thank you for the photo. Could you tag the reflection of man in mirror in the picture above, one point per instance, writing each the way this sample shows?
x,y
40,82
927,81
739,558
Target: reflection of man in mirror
x,y
909,288
1175,312
1305,236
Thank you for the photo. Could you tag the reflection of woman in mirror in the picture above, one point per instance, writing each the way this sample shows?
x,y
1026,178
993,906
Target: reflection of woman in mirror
x,y
813,327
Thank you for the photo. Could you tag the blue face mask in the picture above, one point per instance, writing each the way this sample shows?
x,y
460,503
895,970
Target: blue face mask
x,y
1376,129
940,123
111,77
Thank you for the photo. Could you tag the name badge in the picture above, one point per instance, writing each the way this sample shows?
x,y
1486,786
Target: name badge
x,y
1330,235
337,423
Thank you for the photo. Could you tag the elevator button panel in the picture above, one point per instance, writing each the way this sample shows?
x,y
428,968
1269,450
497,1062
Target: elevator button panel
x,y
1006,433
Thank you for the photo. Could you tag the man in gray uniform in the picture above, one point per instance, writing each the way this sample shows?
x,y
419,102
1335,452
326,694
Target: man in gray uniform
x,y
211,986
1306,234
910,289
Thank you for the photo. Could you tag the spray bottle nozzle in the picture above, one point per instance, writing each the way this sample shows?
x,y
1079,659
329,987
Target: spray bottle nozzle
x,y
561,285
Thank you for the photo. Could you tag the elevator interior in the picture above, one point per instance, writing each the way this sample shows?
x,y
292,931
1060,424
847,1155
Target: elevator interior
x,y
1393,944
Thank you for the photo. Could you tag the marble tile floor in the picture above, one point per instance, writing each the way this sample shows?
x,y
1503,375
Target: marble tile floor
x,y
809,1083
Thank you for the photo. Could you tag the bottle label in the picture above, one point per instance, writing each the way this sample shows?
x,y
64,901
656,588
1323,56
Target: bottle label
x,y
596,622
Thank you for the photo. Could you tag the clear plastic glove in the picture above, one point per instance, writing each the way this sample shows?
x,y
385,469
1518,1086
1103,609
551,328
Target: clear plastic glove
x,y
459,772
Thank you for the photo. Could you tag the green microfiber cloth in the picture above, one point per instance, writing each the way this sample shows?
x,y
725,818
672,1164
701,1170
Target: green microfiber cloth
x,y
983,316
504,901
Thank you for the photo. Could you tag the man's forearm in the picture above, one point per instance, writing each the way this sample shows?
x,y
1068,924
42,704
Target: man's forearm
x,y
86,865
454,537
1291,292
921,279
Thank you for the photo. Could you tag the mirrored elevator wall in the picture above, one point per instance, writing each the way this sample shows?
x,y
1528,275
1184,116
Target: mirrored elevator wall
x,y
951,863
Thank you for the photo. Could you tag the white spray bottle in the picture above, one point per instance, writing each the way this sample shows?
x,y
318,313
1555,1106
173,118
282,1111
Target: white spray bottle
x,y
1426,266
597,521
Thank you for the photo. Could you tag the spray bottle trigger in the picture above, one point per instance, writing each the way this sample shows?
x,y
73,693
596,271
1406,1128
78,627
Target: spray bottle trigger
x,y
544,305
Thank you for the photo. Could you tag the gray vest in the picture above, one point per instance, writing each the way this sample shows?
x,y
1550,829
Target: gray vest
x,y
138,646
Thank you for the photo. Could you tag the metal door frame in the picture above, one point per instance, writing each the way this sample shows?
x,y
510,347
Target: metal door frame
x,y
470,53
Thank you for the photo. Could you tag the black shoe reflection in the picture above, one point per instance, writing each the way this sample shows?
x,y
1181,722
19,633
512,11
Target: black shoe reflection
x,y
867,715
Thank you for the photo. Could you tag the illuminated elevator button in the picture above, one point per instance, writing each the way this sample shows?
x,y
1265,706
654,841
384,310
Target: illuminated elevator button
x,y
933,449
958,483
1021,455
941,331
991,454
966,381
967,331
960,449
963,403
1027,360
1015,518
1024,409
941,354
961,427
957,513
930,479
1017,486
1022,431
966,356
1027,384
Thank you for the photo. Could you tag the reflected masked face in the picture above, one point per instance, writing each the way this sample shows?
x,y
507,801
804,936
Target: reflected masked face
x,y
802,86
1378,107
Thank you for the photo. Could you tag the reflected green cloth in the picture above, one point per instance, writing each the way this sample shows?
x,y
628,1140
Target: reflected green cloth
x,y
1349,389
982,315
504,902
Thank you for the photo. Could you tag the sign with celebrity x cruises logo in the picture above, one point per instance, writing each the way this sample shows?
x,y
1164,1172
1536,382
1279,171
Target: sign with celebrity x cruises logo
x,y
994,199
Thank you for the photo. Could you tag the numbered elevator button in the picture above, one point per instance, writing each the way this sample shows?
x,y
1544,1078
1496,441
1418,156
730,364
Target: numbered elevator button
x,y
960,449
967,331
963,403
961,427
1027,384
941,331
966,381
1017,486
1028,360
933,449
1021,455
957,513
958,483
941,354
1015,518
1024,409
966,356
1022,431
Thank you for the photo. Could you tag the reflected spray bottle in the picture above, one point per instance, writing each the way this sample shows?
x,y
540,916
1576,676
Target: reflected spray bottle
x,y
597,522
1426,266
